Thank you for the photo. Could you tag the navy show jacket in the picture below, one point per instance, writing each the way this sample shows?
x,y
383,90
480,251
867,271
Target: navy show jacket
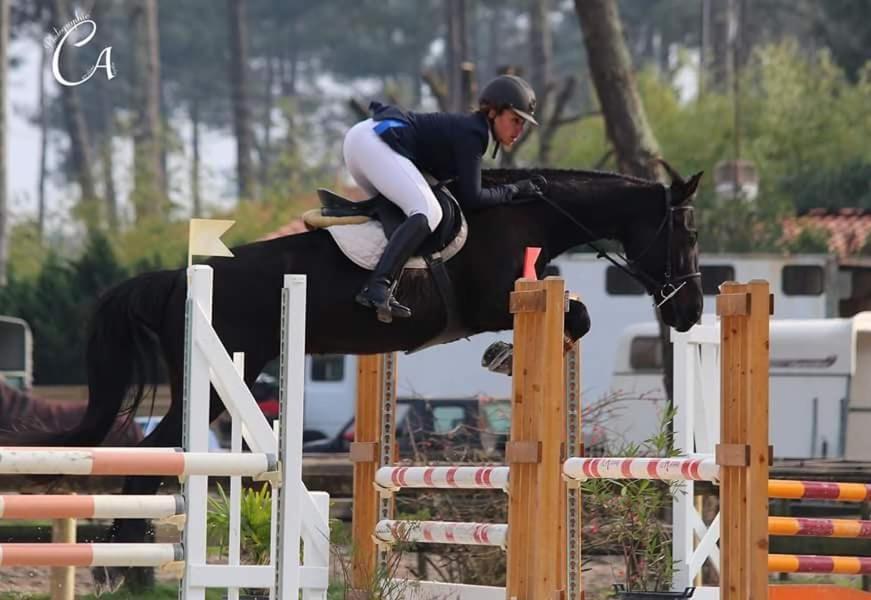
x,y
447,146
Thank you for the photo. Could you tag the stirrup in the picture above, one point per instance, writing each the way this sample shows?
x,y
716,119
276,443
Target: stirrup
x,y
386,310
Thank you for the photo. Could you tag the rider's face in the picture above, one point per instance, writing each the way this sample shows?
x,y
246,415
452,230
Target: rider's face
x,y
507,126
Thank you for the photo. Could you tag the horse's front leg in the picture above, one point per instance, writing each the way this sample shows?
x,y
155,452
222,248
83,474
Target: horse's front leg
x,y
498,355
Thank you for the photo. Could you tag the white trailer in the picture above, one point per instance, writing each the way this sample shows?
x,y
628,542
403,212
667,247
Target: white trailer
x,y
820,397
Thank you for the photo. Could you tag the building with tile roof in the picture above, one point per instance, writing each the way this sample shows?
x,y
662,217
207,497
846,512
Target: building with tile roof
x,y
848,228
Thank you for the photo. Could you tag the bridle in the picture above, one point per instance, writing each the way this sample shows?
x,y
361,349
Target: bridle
x,y
664,290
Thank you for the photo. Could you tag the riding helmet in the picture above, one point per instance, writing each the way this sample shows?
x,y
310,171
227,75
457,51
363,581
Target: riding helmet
x,y
512,92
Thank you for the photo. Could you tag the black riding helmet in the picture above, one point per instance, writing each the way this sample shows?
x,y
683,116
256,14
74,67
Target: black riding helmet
x,y
510,91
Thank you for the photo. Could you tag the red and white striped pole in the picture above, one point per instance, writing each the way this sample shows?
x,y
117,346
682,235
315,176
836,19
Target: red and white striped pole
x,y
665,469
440,532
392,479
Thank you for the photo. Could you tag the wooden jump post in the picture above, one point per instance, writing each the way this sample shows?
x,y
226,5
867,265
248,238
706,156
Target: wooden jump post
x,y
536,545
743,452
543,553
373,447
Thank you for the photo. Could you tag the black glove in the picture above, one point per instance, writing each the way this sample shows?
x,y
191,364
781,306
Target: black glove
x,y
527,188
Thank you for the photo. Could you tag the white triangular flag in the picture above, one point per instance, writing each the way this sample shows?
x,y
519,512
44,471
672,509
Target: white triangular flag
x,y
204,238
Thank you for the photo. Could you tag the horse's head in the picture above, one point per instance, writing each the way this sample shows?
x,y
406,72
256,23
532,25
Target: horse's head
x,y
663,254
654,224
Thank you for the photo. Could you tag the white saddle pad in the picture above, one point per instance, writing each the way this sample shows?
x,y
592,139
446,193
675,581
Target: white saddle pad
x,y
365,242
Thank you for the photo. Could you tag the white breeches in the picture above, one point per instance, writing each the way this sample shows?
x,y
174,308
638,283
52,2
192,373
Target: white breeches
x,y
377,168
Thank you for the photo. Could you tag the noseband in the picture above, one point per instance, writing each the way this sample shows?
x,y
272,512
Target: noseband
x,y
661,290
671,284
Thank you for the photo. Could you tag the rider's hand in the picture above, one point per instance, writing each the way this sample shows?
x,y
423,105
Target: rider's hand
x,y
526,188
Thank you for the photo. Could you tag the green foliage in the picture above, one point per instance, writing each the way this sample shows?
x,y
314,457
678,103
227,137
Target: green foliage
x,y
57,303
630,515
844,27
155,242
803,124
804,117
848,185
255,532
811,240
26,251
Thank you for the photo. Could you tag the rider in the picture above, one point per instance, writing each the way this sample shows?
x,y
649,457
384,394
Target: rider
x,y
387,153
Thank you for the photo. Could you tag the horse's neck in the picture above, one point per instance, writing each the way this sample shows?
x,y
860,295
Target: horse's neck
x,y
605,213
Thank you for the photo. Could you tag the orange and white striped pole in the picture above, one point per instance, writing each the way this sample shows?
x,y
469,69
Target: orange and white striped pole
x,y
38,506
111,461
89,555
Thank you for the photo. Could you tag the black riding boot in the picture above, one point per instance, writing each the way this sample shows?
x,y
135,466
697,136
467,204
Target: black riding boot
x,y
378,291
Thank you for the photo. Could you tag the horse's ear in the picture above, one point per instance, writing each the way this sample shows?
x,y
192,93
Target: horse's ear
x,y
692,185
675,176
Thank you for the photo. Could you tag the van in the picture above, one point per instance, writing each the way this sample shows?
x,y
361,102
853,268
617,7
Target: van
x,y
820,386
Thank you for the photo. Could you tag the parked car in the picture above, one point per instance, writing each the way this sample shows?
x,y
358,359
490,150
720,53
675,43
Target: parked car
x,y
438,429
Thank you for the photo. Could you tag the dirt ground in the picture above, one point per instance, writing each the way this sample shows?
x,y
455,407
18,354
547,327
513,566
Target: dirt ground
x,y
33,580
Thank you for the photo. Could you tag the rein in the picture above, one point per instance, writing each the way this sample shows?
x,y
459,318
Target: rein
x,y
670,286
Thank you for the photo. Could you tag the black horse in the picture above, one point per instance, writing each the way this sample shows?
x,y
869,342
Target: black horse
x,y
653,222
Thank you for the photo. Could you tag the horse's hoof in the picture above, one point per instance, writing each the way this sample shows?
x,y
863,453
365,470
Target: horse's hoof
x,y
107,579
498,357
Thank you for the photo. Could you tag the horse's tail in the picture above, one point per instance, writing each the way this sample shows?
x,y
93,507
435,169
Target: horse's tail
x,y
123,362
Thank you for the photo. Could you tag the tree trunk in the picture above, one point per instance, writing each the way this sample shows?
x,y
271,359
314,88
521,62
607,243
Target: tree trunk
x,y
80,147
625,119
611,70
148,176
540,51
289,66
107,112
4,216
494,33
540,67
241,108
456,52
718,46
110,195
266,149
197,209
43,144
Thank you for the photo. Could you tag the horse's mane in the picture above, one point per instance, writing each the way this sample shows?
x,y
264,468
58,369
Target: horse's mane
x,y
561,175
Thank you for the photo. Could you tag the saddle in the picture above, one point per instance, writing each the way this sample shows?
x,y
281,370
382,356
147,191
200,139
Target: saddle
x,y
377,219
361,230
